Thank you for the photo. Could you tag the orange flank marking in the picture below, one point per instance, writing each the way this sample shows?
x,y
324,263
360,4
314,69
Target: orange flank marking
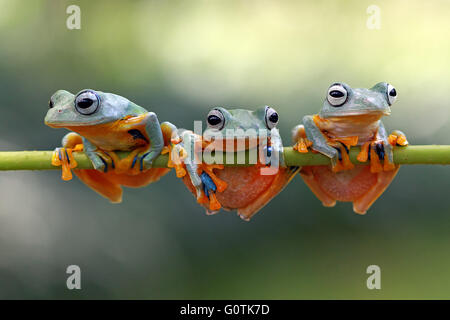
x,y
346,163
348,141
375,165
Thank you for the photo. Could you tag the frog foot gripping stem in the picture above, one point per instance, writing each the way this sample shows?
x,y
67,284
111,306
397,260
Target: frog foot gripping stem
x,y
211,185
377,151
342,145
398,138
302,143
176,156
63,156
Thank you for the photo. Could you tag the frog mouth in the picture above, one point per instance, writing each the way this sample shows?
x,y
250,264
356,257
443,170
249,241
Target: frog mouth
x,y
359,114
236,144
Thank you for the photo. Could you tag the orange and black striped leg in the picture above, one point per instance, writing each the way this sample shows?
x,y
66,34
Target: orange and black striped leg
x,y
377,154
343,160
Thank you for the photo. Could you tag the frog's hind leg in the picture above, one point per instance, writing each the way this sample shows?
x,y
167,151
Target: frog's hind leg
x,y
384,178
308,177
101,183
281,180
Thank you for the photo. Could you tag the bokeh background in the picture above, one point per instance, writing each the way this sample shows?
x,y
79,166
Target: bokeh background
x,y
178,59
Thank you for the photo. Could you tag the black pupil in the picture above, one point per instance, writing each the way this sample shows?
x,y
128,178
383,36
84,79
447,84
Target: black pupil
x,y
336,94
50,104
214,120
85,103
393,93
273,117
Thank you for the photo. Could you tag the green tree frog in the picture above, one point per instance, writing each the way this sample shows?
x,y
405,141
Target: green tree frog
x,y
351,117
243,188
101,124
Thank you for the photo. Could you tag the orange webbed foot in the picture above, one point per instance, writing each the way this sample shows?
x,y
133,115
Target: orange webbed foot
x,y
208,168
214,204
364,153
343,162
398,138
302,145
176,156
64,157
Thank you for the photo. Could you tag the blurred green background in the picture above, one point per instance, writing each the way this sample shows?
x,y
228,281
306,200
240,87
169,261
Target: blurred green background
x,y
178,59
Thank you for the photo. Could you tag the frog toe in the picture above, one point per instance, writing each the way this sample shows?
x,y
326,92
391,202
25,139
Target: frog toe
x,y
211,212
302,145
398,138
244,217
63,157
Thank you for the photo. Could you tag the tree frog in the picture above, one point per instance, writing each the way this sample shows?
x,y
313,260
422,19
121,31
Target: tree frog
x,y
243,188
351,117
101,124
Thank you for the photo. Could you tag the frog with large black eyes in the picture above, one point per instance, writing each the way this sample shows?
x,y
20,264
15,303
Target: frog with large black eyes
x,y
243,188
351,117
102,124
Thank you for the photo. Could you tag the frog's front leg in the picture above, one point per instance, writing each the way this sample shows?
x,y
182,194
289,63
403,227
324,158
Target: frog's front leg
x,y
100,159
319,142
153,130
202,177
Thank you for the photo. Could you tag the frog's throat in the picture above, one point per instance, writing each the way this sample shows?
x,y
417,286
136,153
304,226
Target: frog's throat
x,y
356,114
237,143
58,124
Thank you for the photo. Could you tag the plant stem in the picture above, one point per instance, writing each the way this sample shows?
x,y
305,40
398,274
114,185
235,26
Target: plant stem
x,y
41,160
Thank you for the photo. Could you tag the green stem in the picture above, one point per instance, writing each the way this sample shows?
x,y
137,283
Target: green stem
x,y
41,160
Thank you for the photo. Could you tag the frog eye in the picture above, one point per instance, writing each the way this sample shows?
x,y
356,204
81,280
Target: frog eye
x,y
337,95
391,94
215,119
271,117
87,102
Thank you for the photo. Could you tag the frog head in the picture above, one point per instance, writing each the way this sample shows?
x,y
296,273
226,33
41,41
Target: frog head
x,y
343,101
87,108
235,124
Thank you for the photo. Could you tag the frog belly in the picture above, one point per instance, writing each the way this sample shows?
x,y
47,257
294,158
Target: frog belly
x,y
109,184
245,184
358,185
247,190
345,185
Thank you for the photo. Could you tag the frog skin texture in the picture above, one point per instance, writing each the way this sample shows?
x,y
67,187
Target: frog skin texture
x,y
244,189
350,117
103,124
